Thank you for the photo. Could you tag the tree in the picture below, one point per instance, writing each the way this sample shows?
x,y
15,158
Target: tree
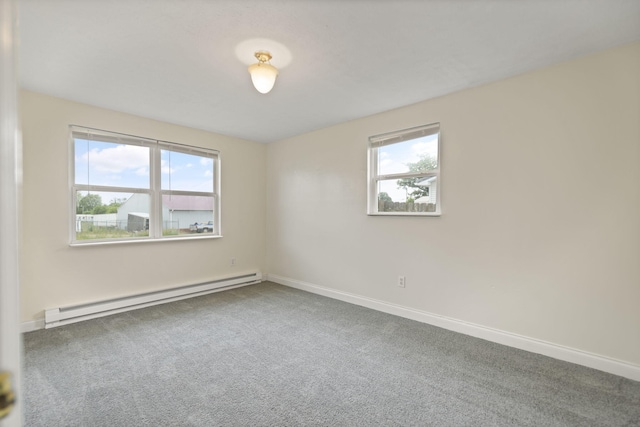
x,y
86,204
114,205
102,209
117,201
383,196
112,208
414,190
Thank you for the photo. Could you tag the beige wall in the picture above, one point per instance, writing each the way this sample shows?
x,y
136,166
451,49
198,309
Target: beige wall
x,y
540,232
54,274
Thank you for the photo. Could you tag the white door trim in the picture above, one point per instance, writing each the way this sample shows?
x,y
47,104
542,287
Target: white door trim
x,y
10,184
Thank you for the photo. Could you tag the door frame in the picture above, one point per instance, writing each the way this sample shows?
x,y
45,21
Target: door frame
x,y
10,189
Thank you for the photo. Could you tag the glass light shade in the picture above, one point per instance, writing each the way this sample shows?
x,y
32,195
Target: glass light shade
x,y
263,76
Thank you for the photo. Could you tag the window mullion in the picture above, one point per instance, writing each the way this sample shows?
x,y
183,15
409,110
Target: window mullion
x,y
156,195
373,182
187,193
96,188
408,175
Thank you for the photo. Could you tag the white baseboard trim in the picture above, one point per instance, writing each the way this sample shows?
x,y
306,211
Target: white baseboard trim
x,y
567,354
60,316
32,325
72,314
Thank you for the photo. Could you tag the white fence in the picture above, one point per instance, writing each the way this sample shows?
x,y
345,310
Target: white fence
x,y
384,206
101,220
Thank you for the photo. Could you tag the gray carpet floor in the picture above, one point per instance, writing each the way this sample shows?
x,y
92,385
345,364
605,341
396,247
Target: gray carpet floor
x,y
269,355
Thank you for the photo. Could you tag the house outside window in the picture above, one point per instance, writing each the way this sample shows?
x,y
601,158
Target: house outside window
x,y
129,188
404,172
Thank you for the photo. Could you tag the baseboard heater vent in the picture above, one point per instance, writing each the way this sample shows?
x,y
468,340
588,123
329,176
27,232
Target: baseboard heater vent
x,y
65,315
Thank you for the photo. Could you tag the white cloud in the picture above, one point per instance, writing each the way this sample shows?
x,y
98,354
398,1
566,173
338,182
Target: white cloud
x,y
143,171
165,168
388,166
424,147
118,159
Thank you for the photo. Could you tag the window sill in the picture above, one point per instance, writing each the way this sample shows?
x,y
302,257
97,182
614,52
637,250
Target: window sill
x,y
130,241
426,214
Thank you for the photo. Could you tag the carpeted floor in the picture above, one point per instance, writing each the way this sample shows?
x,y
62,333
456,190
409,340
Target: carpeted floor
x,y
268,355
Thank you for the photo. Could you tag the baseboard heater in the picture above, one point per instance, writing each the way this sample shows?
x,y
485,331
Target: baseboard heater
x,y
65,315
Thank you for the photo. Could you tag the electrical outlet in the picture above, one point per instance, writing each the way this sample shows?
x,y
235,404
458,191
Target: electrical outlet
x,y
402,281
233,262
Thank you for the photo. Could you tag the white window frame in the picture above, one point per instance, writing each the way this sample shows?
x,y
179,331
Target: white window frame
x,y
154,191
395,137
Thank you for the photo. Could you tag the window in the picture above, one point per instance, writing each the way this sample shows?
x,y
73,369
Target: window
x,y
404,172
127,188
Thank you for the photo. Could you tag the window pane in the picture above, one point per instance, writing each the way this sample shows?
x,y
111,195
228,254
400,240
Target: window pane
x,y
111,164
414,155
186,172
407,195
111,215
127,187
187,214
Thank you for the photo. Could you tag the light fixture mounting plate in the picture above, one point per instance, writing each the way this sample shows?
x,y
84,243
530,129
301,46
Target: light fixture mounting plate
x,y
263,56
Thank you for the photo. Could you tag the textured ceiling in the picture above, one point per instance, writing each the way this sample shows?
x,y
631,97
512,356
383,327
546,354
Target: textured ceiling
x,y
175,60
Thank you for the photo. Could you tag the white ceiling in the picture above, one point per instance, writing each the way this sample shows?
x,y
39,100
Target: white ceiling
x,y
175,60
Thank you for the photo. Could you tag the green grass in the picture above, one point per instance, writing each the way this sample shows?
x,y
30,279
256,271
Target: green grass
x,y
99,233
94,233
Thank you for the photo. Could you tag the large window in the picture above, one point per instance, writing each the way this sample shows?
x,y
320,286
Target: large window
x,y
130,188
404,172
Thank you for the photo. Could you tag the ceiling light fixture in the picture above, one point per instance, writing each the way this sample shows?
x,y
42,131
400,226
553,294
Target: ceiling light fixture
x,y
263,74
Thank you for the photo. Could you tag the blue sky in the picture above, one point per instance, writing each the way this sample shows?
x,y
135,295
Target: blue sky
x,y
123,165
395,157
120,165
186,172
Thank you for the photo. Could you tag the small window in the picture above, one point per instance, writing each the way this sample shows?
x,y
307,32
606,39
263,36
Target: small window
x,y
404,172
132,188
